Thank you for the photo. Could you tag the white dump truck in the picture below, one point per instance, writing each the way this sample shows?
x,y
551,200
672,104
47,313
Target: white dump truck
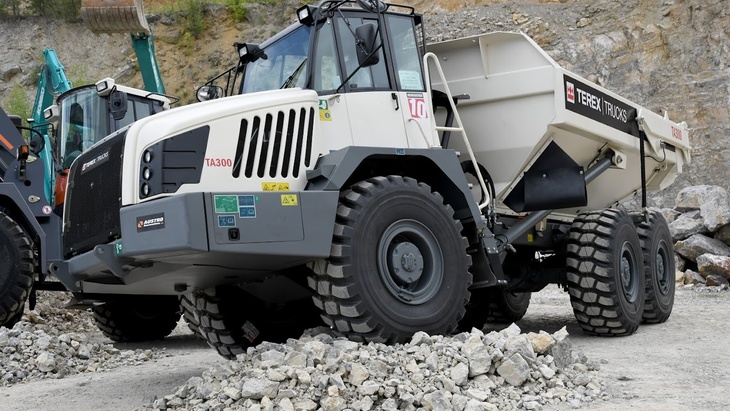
x,y
344,171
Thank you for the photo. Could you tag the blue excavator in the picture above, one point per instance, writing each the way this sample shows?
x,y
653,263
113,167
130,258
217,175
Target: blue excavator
x,y
65,122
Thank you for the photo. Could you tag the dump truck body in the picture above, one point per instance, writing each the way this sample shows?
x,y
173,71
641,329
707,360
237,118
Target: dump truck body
x,y
522,102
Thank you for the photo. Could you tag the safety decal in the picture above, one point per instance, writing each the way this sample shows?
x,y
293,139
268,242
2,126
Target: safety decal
x,y
324,111
418,107
289,200
226,221
274,186
247,206
226,204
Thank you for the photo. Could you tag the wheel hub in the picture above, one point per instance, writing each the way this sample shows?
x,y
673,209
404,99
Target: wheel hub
x,y
625,272
629,272
410,261
662,265
407,262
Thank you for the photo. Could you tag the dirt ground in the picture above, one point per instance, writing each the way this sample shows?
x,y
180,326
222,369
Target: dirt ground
x,y
679,365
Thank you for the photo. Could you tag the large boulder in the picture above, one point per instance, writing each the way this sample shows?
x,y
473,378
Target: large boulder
x,y
723,234
708,264
713,203
686,225
698,244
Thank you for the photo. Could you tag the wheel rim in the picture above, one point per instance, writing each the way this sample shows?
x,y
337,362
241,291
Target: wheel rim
x,y
410,262
661,269
629,270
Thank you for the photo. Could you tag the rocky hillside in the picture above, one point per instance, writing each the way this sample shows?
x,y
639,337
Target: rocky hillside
x,y
669,55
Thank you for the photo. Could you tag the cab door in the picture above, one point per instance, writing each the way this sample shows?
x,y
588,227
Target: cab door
x,y
358,105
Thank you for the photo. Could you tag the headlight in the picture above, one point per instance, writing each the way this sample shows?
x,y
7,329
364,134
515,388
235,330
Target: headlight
x,y
146,173
145,190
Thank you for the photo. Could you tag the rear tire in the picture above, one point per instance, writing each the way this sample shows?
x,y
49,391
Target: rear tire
x,y
231,320
605,271
138,318
16,270
494,305
659,267
398,263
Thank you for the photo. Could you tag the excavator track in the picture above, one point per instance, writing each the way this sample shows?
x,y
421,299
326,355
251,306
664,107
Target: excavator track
x,y
115,16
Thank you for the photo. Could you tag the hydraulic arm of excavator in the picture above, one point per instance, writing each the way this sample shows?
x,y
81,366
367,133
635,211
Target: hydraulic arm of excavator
x,y
52,82
127,16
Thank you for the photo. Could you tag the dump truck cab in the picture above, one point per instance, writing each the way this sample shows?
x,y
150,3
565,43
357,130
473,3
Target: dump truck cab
x,y
370,86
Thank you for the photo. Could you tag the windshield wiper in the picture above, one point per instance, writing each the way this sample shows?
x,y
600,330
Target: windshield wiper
x,y
295,75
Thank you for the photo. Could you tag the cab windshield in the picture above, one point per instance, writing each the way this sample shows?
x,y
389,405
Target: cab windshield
x,y
83,122
282,65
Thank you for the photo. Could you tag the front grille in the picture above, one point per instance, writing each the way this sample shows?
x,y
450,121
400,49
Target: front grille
x,y
94,197
277,144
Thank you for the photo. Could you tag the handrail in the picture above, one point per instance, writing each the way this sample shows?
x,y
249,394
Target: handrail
x,y
460,128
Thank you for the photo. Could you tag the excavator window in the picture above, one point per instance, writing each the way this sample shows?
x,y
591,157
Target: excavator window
x,y
83,120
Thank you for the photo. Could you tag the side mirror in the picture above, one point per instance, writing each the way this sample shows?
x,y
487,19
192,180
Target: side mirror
x,y
365,36
118,104
37,143
51,114
206,93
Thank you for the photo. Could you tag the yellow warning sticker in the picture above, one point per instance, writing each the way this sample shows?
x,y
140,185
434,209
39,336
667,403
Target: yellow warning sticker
x,y
530,238
325,115
274,186
289,200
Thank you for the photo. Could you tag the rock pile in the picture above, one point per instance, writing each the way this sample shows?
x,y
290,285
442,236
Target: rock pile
x,y
52,342
28,353
700,226
469,371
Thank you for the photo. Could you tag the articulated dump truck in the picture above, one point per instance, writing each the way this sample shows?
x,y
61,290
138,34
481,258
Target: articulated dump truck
x,y
345,172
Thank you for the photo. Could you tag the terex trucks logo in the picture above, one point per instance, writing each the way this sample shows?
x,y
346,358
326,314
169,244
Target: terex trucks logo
x,y
95,162
585,100
570,91
151,222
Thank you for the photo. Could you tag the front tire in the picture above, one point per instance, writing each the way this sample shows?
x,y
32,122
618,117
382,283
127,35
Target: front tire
x,y
231,320
659,267
16,270
137,318
398,263
605,272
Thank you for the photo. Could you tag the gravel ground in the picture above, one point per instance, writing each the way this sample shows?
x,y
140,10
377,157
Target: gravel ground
x,y
672,366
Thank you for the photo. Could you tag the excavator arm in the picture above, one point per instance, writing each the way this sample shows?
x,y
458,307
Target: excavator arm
x,y
127,16
52,82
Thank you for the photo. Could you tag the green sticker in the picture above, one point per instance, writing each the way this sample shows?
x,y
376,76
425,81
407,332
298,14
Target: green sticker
x,y
226,204
118,247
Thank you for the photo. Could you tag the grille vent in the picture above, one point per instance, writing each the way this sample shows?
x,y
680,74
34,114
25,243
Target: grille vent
x,y
277,144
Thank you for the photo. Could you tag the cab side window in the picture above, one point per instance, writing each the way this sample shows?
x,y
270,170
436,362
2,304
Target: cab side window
x,y
326,76
375,76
